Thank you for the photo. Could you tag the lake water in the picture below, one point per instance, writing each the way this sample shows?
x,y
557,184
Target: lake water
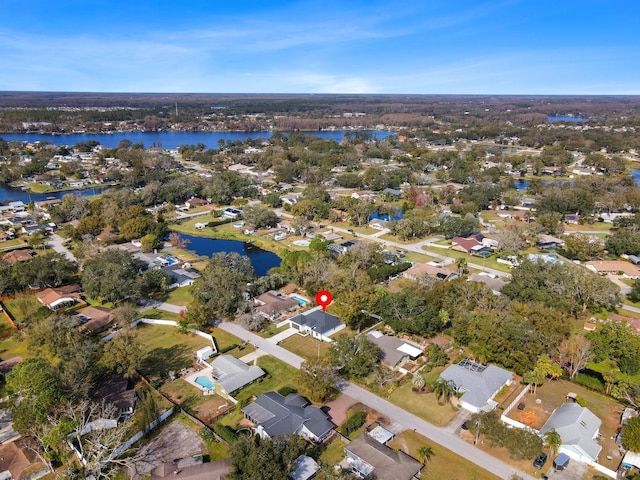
x,y
168,140
635,173
261,260
8,194
567,118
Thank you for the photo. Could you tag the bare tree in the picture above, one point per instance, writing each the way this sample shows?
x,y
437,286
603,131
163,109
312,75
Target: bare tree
x,y
98,439
575,353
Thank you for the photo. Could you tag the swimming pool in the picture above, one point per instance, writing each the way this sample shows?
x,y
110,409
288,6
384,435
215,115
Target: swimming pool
x,y
302,243
238,224
205,382
171,260
300,300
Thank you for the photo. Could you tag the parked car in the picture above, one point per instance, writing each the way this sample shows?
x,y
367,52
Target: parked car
x,y
561,461
540,461
464,426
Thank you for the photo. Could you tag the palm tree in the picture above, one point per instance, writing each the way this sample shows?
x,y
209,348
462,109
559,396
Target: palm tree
x,y
418,381
444,389
462,265
425,453
552,441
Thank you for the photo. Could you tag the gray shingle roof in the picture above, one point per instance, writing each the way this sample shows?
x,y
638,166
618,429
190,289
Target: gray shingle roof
x,y
479,385
577,426
279,415
232,374
321,322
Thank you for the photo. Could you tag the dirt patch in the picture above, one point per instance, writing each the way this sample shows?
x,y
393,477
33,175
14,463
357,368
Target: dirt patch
x,y
212,408
175,440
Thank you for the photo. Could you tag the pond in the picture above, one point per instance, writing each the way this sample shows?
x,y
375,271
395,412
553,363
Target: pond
x,y
261,260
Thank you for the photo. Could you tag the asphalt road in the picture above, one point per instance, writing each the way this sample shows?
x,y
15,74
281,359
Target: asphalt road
x,y
56,243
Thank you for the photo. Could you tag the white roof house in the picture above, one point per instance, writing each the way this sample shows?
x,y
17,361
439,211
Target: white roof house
x,y
578,427
232,374
477,383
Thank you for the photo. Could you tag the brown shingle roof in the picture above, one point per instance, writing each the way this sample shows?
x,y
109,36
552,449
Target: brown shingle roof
x,y
49,296
17,256
18,460
388,464
99,318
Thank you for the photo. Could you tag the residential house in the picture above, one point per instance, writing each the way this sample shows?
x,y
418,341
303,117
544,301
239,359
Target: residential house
x,y
194,202
477,383
15,256
317,323
395,352
473,245
231,374
547,242
18,462
572,218
290,198
279,236
180,277
216,470
419,271
632,321
616,267
274,415
97,318
578,428
45,204
370,459
231,212
341,248
494,283
392,192
55,298
119,393
330,236
272,304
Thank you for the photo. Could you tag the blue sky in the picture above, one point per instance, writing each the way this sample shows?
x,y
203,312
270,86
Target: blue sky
x,y
368,46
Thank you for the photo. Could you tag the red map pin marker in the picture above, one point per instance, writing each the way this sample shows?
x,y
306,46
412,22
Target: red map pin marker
x,y
324,299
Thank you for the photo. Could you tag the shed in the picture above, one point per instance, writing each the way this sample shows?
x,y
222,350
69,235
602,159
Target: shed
x,y
204,353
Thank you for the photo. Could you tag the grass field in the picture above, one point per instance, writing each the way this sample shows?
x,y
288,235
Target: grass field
x,y
424,405
12,244
179,296
306,347
166,349
158,314
490,262
443,463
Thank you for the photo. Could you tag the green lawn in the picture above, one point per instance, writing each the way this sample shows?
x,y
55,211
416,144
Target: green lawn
x,y
12,244
165,349
418,257
444,463
424,405
333,453
183,393
179,296
14,346
22,306
306,347
490,262
157,314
